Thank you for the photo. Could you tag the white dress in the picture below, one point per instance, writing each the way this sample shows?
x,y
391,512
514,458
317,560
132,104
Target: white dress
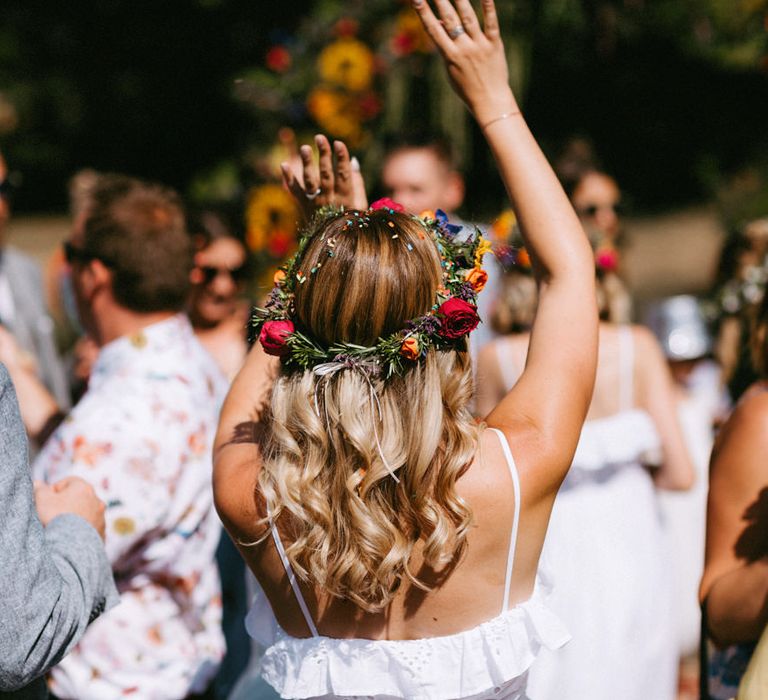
x,y
684,513
605,552
488,661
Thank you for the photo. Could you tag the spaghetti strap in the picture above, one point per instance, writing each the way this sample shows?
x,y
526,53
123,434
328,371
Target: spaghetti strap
x,y
506,366
515,518
626,368
292,580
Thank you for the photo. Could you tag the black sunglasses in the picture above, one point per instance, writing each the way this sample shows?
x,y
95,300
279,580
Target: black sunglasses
x,y
237,274
591,210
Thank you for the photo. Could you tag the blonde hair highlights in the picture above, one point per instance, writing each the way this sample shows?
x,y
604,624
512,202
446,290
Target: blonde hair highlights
x,y
351,528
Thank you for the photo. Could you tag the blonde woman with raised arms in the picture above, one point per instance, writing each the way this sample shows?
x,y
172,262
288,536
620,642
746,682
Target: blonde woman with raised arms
x,y
396,541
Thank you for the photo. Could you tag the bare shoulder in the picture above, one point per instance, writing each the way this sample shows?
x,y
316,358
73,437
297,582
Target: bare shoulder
x,y
649,357
488,355
645,342
487,485
746,430
492,484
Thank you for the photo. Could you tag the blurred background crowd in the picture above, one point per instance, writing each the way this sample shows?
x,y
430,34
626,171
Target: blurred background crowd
x,y
652,112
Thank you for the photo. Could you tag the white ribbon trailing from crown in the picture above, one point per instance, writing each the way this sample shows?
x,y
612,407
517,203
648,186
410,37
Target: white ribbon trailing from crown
x,y
365,369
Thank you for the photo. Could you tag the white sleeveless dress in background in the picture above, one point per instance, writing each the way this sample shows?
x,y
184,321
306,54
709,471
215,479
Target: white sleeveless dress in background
x,y
605,554
491,660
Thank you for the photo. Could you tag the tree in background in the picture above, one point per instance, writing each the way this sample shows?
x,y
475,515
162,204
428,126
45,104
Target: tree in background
x,y
671,92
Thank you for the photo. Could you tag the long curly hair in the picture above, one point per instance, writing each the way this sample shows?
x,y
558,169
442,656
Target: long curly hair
x,y
332,440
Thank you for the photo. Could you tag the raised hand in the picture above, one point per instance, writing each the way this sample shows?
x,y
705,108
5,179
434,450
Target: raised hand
x,y
325,182
473,54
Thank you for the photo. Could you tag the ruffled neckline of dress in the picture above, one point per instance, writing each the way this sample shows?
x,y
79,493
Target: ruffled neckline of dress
x,y
491,659
625,437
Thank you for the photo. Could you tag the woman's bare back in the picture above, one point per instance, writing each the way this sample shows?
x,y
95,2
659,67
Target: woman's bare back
x,y
463,596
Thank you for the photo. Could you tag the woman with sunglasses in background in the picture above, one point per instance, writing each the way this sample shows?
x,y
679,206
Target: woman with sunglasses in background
x,y
596,197
218,313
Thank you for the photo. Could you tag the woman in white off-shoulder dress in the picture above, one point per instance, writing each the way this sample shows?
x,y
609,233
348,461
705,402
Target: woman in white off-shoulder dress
x,y
604,548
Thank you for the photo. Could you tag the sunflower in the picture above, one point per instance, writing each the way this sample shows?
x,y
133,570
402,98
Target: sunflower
x,y
270,214
336,113
347,62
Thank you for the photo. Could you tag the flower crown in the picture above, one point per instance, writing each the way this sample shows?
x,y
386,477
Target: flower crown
x,y
451,318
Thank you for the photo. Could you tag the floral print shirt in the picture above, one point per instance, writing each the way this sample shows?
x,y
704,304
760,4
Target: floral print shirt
x,y
142,436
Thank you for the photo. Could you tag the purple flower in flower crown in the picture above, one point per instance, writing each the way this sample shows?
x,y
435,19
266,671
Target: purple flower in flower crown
x,y
428,325
466,292
274,300
442,221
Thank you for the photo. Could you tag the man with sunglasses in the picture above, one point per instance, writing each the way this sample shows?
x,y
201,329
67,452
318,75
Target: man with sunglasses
x,y
22,305
141,435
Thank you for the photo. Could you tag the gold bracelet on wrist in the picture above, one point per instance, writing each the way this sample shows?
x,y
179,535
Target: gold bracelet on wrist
x,y
506,115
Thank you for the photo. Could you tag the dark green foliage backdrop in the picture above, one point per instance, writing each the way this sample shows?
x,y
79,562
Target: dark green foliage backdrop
x,y
132,85
673,93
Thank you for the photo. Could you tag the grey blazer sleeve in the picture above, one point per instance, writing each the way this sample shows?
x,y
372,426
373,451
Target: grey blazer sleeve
x,y
54,580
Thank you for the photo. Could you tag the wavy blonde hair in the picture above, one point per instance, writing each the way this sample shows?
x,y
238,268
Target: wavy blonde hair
x,y
352,528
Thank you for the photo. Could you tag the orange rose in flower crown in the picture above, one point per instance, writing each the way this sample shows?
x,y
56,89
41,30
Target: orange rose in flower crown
x,y
410,348
478,278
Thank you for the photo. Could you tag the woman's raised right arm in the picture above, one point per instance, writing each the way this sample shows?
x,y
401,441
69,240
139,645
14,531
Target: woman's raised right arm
x,y
543,414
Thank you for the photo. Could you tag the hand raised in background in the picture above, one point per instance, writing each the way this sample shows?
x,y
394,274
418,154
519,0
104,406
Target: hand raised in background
x,y
326,182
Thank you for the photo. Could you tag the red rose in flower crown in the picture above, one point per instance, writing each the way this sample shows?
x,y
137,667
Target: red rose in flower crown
x,y
273,337
386,203
457,318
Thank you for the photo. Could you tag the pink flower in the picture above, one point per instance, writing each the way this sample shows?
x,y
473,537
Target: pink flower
x,y
457,318
607,259
386,203
273,337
